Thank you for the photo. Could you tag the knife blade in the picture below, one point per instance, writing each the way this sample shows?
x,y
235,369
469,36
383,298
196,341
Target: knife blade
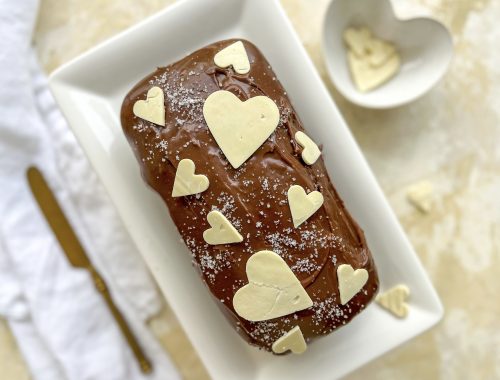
x,y
77,256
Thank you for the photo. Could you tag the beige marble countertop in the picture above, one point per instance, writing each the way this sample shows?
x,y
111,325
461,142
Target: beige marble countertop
x,y
450,137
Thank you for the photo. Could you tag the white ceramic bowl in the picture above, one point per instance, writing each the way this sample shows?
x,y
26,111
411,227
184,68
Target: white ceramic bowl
x,y
425,46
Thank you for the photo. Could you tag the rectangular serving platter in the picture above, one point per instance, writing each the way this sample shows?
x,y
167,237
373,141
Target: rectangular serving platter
x,y
90,90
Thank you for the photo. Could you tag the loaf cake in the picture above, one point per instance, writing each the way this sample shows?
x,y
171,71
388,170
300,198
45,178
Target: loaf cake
x,y
216,136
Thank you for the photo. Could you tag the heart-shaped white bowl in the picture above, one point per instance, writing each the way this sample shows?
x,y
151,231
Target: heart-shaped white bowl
x,y
425,46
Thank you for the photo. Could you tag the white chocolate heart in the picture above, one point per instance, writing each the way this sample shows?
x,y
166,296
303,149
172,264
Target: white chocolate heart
x,y
356,39
293,340
153,108
372,61
380,51
302,205
420,196
310,151
394,299
240,128
221,231
272,290
233,55
367,77
350,281
186,182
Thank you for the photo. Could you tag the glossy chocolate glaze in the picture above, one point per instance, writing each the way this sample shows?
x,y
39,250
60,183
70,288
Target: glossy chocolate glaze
x,y
252,197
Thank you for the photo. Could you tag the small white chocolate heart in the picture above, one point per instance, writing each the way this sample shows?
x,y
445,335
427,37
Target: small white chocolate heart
x,y
350,281
293,340
393,300
310,151
272,290
233,55
380,51
240,128
372,61
153,108
186,182
368,77
356,39
302,205
222,231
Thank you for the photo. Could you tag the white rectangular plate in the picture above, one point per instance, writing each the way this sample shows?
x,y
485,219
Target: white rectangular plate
x,y
90,90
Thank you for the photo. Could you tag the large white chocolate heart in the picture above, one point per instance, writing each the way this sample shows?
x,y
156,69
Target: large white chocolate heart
x,y
394,300
221,231
186,182
350,281
233,55
153,108
310,151
240,128
302,205
272,291
293,340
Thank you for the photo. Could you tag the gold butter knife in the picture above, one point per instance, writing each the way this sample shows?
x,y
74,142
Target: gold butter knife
x,y
76,254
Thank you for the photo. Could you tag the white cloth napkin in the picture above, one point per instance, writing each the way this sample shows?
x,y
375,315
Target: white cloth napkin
x,y
62,325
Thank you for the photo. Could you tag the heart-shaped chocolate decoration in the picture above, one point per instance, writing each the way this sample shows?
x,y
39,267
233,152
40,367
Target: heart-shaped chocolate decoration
x,y
272,291
372,61
240,128
293,340
394,300
302,205
222,231
233,55
153,108
186,182
368,77
350,281
310,151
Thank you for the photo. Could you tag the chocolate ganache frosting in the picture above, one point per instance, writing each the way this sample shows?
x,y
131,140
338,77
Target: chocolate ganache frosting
x,y
252,197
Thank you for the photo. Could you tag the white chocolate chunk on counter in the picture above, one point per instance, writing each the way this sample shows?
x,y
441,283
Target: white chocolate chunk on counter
x,y
372,61
420,196
186,182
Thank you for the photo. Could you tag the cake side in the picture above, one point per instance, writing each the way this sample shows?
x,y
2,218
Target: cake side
x,y
252,197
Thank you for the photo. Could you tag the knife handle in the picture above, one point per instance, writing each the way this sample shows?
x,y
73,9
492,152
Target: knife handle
x,y
144,363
